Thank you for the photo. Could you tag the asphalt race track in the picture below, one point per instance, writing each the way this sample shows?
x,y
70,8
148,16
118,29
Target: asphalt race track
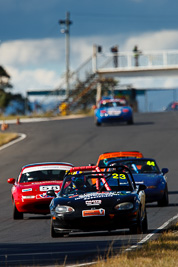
x,y
79,141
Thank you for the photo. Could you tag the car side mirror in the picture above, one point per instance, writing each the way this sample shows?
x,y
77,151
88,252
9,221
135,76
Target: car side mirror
x,y
94,107
11,181
164,170
51,193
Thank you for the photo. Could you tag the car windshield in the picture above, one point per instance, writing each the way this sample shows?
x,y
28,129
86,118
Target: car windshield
x,y
42,175
112,104
96,182
138,165
104,162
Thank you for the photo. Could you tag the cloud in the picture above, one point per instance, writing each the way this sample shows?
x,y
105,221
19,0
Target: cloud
x,y
154,41
38,79
32,52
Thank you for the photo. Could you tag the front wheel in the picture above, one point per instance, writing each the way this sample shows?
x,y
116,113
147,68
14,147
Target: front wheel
x,y
165,199
130,121
137,228
53,233
16,214
145,223
97,123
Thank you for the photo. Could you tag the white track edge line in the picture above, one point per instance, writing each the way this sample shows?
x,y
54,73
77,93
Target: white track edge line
x,y
144,240
20,138
147,237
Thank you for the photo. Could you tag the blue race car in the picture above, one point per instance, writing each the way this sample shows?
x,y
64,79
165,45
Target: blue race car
x,y
113,110
146,171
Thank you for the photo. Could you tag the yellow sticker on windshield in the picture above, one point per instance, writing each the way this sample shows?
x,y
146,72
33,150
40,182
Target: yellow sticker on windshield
x,y
115,176
118,176
150,163
122,176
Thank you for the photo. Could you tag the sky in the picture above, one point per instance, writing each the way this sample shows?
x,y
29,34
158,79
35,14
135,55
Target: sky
x,y
32,46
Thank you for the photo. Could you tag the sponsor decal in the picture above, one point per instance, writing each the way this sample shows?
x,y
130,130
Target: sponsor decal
x,y
27,190
49,187
89,213
44,195
90,196
93,202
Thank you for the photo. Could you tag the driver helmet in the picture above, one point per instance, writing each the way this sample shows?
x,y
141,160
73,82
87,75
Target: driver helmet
x,y
78,182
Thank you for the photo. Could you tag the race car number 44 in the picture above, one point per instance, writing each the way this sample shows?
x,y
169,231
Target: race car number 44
x,y
49,187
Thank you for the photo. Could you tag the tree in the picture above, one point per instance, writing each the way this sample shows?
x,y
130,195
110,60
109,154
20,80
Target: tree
x,y
7,99
4,84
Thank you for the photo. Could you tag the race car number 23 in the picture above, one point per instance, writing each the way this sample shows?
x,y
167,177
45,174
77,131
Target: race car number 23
x,y
118,176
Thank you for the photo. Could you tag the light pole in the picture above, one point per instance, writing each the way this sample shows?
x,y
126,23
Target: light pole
x,y
65,30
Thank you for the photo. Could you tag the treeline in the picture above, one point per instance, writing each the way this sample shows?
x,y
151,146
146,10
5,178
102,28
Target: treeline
x,y
7,97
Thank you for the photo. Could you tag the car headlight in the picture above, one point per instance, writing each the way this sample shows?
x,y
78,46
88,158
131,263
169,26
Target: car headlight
x,y
124,206
64,209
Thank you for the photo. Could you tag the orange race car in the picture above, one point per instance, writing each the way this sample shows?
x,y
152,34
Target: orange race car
x,y
103,158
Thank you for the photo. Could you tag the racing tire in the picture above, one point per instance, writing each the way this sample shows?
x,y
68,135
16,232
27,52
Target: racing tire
x,y
145,224
97,122
53,233
16,214
129,122
165,199
136,229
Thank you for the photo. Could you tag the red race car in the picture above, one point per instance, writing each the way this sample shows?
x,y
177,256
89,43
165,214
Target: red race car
x,y
29,190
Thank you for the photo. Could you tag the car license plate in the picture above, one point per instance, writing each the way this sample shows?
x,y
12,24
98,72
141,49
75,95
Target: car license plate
x,y
114,112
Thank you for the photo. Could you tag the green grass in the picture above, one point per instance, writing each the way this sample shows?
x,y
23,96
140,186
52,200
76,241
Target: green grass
x,y
88,112
7,137
162,252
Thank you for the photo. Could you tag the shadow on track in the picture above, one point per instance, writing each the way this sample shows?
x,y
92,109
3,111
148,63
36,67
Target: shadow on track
x,y
60,252
173,192
41,217
114,124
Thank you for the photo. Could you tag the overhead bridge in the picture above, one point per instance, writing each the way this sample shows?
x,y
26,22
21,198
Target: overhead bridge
x,y
147,63
100,65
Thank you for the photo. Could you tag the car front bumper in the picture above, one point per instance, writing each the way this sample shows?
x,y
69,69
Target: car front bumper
x,y
111,221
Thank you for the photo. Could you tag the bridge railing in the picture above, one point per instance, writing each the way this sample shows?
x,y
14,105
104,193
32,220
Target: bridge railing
x,y
147,59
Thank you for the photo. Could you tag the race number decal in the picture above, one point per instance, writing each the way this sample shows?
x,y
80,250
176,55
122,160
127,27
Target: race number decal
x,y
45,188
118,176
150,163
122,176
115,176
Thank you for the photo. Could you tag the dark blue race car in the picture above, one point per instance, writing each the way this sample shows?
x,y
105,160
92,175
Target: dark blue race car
x,y
146,171
92,200
113,110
